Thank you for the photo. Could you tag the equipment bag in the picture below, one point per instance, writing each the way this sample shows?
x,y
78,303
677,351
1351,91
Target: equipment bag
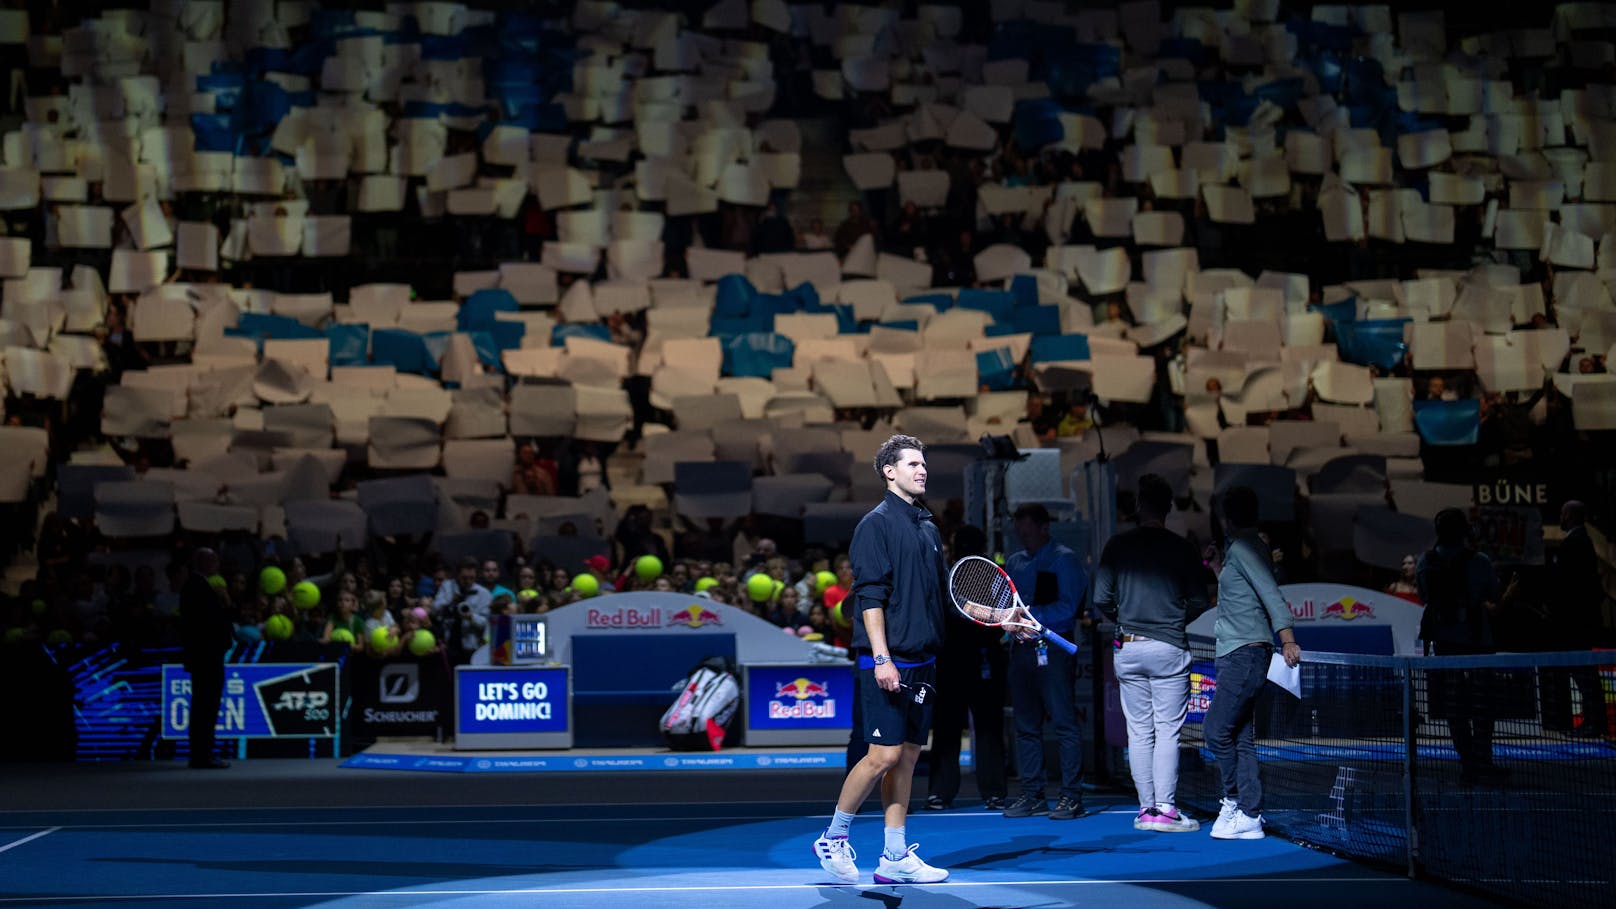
x,y
707,702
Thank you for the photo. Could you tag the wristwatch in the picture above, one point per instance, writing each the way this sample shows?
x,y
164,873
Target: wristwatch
x,y
881,659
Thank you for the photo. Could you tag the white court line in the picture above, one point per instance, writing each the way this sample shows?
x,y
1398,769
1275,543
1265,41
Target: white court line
x,y
446,822
730,888
28,839
460,805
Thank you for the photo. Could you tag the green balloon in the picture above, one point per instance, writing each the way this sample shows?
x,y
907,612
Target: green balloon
x,y
384,640
38,606
278,627
271,580
586,585
823,579
343,636
705,584
648,567
217,581
422,642
15,635
59,637
305,595
760,587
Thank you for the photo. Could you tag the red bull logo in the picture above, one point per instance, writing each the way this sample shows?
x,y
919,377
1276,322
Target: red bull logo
x,y
695,616
1347,609
801,699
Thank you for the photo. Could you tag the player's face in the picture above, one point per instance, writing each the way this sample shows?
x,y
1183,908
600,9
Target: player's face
x,y
908,477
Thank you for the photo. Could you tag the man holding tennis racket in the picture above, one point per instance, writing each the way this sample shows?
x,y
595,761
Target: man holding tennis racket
x,y
898,609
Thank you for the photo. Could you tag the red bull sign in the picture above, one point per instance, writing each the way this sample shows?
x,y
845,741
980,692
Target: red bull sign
x,y
695,616
802,698
1340,617
783,702
1203,685
653,618
1346,609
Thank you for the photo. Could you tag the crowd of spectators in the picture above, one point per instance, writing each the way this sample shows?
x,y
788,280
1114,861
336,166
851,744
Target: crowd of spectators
x,y
89,598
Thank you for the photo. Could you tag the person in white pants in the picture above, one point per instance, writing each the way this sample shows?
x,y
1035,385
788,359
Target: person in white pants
x,y
1152,584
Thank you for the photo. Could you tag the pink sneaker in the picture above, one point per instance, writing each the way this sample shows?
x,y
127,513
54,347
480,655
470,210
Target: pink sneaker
x,y
1167,821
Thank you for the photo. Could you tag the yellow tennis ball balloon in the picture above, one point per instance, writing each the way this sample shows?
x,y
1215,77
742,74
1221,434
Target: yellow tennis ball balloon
x,y
648,567
342,636
422,642
586,585
277,627
305,595
272,580
840,616
823,579
384,640
760,587
705,584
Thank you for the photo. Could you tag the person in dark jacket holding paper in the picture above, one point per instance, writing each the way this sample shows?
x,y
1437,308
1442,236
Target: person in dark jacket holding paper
x,y
898,590
206,633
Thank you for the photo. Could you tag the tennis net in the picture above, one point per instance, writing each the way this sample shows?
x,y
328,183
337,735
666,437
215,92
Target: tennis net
x,y
1496,772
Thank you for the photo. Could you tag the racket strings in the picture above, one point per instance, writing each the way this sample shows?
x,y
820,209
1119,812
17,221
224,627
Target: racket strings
x,y
983,593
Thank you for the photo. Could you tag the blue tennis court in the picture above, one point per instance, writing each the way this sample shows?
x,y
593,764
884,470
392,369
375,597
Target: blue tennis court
x,y
306,833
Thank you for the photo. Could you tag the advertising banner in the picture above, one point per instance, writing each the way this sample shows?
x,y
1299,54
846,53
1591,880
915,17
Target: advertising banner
x,y
405,697
513,707
261,701
799,704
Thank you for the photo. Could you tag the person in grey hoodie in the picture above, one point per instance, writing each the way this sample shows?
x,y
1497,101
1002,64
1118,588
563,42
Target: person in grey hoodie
x,y
1250,611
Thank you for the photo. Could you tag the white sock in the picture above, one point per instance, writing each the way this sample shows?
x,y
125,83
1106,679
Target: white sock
x,y
839,823
896,847
1164,807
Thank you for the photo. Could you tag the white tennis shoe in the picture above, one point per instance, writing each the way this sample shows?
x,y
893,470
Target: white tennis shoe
x,y
837,857
1243,827
1227,809
908,870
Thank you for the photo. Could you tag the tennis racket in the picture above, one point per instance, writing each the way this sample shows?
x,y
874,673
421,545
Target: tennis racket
x,y
984,593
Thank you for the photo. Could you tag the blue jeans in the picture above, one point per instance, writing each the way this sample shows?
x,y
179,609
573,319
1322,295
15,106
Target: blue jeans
x,y
1231,724
1049,691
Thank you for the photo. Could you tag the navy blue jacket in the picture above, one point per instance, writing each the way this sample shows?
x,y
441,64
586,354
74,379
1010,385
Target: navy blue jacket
x,y
897,557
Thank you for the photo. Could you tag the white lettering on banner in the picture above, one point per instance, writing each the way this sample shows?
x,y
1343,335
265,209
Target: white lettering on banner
x,y
232,715
803,710
498,691
494,712
1503,492
179,714
235,685
180,687
372,715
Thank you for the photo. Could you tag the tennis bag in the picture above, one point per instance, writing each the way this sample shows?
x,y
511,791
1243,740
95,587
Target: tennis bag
x,y
707,702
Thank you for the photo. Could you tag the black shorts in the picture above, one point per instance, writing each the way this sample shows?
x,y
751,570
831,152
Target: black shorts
x,y
893,717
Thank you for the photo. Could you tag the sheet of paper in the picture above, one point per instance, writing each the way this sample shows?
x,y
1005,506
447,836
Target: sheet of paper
x,y
1286,677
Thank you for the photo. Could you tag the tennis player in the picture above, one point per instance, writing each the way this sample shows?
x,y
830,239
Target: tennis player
x,y
898,589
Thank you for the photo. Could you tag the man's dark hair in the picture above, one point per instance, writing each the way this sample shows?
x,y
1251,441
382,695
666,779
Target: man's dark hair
x,y
1240,507
1155,495
1032,511
1452,527
888,452
470,562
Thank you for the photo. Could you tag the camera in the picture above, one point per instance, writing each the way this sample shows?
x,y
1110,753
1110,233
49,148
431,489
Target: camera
x,y
465,608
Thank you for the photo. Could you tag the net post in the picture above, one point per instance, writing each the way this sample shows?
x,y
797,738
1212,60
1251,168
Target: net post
x,y
1410,752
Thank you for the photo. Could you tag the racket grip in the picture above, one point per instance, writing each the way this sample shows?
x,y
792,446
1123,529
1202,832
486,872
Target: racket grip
x,y
1060,642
